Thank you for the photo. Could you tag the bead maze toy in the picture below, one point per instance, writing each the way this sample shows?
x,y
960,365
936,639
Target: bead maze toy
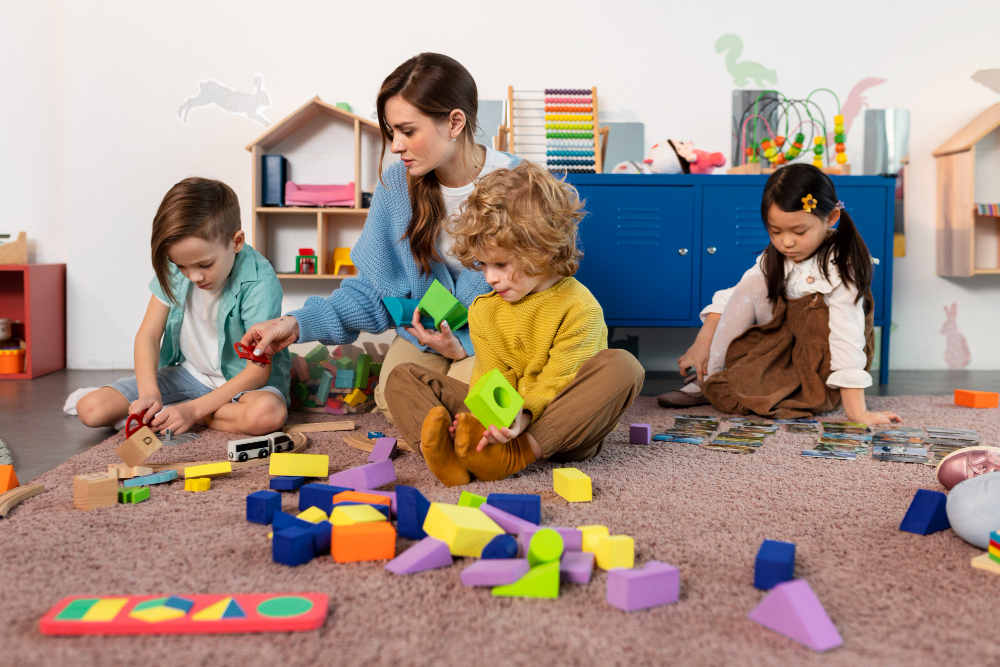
x,y
556,128
758,140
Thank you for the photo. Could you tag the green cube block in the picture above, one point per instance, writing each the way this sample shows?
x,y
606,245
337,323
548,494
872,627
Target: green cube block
x,y
376,368
345,363
300,392
363,371
441,305
316,372
493,401
317,354
133,494
470,499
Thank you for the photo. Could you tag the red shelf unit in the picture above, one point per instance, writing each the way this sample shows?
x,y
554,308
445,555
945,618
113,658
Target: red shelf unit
x,y
34,296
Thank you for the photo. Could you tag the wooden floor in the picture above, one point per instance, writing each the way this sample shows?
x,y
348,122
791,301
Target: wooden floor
x,y
40,436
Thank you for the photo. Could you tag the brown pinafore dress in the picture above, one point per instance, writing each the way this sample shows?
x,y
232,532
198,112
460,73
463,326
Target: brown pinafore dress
x,y
779,369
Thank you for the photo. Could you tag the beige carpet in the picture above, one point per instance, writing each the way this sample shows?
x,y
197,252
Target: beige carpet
x,y
896,598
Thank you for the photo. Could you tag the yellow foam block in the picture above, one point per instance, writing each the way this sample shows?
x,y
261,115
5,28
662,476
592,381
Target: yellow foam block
x,y
105,610
356,397
984,562
208,470
572,485
591,536
299,465
617,551
466,530
312,515
351,514
198,484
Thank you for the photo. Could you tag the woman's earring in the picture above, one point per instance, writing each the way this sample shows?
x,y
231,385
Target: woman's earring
x,y
454,138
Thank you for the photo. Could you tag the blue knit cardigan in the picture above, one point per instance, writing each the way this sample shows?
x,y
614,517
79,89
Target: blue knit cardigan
x,y
385,268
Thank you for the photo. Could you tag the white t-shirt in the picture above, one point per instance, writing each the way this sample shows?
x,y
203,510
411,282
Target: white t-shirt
x,y
199,337
453,198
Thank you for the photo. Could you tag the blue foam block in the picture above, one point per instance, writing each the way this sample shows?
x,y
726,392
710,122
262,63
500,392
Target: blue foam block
x,y
293,546
411,510
286,483
319,495
525,505
775,564
926,514
323,532
261,506
384,509
501,546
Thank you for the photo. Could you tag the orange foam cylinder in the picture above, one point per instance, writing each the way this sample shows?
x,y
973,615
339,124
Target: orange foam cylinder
x,y
363,541
977,399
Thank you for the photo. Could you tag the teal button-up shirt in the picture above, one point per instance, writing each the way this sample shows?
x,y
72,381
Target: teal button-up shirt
x,y
251,294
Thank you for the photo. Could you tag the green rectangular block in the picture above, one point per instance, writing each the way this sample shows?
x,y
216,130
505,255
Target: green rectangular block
x,y
471,499
134,494
441,305
363,371
345,363
316,372
493,401
317,354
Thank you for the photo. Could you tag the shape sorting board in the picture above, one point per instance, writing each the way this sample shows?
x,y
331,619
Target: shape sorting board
x,y
185,614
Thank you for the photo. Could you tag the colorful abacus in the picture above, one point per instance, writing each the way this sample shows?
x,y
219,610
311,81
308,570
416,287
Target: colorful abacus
x,y
556,128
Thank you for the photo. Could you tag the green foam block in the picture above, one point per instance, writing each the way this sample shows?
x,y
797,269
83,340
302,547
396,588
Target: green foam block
x,y
541,581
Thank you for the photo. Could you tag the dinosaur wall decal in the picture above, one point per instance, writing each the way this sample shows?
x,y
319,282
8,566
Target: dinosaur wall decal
x,y
989,78
743,71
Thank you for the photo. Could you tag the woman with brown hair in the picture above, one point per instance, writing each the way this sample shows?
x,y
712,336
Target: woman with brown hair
x,y
427,113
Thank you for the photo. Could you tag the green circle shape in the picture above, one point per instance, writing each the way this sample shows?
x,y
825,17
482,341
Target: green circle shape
x,y
284,607
546,546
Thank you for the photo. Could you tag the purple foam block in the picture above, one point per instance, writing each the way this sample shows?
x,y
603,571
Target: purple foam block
x,y
793,610
511,524
365,477
639,434
391,495
577,566
384,450
495,572
657,583
572,538
427,554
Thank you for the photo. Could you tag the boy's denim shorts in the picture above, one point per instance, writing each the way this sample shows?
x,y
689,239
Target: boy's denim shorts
x,y
176,384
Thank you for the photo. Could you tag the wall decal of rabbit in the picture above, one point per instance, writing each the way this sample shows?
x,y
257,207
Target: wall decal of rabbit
x,y
249,105
956,353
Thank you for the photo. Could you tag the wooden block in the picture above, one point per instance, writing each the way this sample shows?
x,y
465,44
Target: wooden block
x,y
984,562
319,427
977,399
122,471
615,551
136,449
348,515
572,485
198,484
300,465
8,479
210,470
93,490
466,530
363,542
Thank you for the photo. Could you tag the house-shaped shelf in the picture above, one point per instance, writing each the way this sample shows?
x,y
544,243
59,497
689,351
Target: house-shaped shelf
x,y
968,192
324,145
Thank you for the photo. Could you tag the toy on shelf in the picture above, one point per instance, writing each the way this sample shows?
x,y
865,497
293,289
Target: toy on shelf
x,y
14,252
319,195
679,157
556,128
808,136
342,259
305,262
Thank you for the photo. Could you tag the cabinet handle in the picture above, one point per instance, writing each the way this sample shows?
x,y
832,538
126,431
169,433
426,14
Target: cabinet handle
x,y
682,251
711,250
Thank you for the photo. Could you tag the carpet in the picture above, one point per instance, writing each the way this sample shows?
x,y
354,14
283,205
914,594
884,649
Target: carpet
x,y
896,598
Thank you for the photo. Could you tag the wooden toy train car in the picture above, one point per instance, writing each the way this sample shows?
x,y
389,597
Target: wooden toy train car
x,y
260,446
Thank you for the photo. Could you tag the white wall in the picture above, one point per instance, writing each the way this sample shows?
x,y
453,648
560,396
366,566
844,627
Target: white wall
x,y
92,140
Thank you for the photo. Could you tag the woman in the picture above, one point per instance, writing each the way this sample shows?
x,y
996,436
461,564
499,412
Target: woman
x,y
427,113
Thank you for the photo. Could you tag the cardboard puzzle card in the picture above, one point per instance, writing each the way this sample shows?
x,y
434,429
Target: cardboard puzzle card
x,y
818,454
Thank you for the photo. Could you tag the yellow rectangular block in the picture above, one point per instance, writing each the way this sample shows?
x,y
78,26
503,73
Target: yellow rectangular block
x,y
197,484
617,551
352,514
210,470
299,465
572,485
466,530
591,536
312,515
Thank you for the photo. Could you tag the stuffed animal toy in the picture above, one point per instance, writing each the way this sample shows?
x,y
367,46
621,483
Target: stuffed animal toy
x,y
680,157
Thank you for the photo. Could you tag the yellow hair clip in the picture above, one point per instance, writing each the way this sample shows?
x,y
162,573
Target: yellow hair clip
x,y
808,203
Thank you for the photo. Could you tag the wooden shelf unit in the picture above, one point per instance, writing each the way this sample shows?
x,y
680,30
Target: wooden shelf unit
x,y
279,132
34,296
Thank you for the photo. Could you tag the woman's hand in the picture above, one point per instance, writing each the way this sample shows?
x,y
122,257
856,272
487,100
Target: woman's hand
x,y
872,418
178,418
272,336
443,342
696,357
150,403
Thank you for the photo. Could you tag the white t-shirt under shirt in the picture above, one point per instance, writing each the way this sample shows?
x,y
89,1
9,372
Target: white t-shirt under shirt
x,y
453,198
199,337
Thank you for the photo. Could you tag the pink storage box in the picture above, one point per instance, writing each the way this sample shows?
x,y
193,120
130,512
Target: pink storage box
x,y
319,195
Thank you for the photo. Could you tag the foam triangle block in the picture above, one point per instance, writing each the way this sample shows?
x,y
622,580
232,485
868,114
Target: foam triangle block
x,y
224,608
427,554
233,610
793,610
926,514
541,581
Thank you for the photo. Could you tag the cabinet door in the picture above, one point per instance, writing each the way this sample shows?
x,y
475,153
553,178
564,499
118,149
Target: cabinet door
x,y
732,236
633,238
867,208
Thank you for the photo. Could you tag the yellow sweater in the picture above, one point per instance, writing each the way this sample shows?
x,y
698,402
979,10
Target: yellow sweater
x,y
539,342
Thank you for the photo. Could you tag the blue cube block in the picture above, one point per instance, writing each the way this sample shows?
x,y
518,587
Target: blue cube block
x,y
286,483
283,520
261,506
926,514
501,546
293,546
525,505
384,509
775,564
411,510
323,531
319,495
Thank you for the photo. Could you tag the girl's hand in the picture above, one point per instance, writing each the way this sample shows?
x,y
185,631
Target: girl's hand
x,y
696,357
272,336
178,418
151,404
443,342
872,418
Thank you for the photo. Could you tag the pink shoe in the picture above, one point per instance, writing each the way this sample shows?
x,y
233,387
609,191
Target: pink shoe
x,y
967,463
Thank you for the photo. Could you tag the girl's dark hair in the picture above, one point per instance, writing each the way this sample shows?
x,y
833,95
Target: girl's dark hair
x,y
436,85
201,207
785,189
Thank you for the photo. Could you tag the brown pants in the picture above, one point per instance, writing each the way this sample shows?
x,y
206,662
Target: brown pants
x,y
574,424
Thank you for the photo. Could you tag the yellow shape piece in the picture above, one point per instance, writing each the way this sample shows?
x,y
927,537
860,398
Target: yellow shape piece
x,y
617,551
209,470
984,562
105,610
213,612
592,535
198,484
157,614
466,530
351,514
299,465
572,485
312,515
356,397
342,258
